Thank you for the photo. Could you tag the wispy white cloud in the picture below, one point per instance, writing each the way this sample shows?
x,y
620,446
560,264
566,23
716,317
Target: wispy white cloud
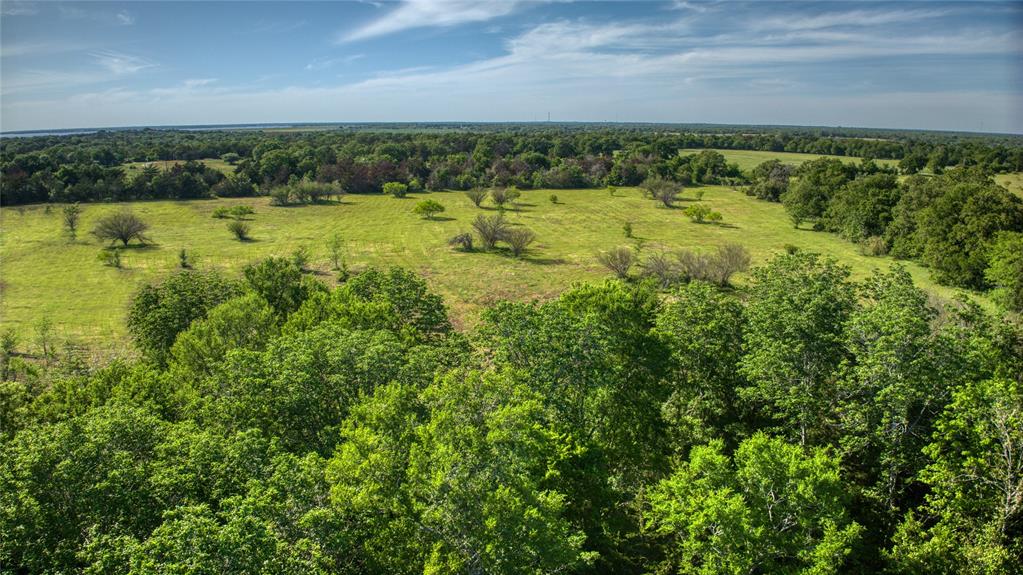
x,y
78,12
432,13
119,63
853,18
18,9
324,63
124,18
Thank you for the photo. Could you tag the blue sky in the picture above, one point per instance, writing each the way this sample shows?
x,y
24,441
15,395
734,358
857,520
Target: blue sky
x,y
932,65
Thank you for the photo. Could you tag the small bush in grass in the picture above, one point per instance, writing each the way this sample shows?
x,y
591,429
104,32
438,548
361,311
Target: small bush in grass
x,y
491,229
874,246
619,260
694,266
791,249
476,196
700,213
221,212
664,191
627,228
240,229
241,211
280,196
300,257
335,248
554,198
428,209
111,258
462,241
72,213
729,260
662,268
122,226
396,189
611,191
699,194
518,240
502,196
184,259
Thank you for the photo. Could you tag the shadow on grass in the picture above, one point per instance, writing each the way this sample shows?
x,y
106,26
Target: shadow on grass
x,y
440,219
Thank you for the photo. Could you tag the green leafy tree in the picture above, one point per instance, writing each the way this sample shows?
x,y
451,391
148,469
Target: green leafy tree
x,y
428,209
280,282
807,199
1005,270
797,306
772,508
159,312
71,214
971,520
396,189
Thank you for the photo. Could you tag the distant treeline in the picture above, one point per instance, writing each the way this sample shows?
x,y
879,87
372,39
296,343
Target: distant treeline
x,y
89,167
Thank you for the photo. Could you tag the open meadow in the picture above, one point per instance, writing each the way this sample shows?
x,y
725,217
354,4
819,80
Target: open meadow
x,y
749,159
45,276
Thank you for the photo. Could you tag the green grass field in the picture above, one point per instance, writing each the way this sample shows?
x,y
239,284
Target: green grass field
x,y
749,159
1012,182
215,163
45,276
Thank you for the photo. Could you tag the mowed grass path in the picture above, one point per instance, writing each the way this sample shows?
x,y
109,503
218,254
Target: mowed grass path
x,y
749,159
45,276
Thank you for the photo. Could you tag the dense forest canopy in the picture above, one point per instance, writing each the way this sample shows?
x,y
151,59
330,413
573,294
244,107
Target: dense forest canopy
x,y
362,159
803,424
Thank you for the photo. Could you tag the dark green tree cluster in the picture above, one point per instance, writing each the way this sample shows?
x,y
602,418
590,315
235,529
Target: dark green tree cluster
x,y
361,159
806,424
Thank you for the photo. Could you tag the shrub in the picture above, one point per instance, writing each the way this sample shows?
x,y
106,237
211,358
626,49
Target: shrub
x,y
791,249
874,246
611,190
221,212
72,213
729,260
111,258
300,257
518,239
122,226
396,189
619,260
554,198
500,196
627,228
476,195
699,194
697,212
662,190
462,241
428,208
280,196
661,268
335,248
694,266
241,211
240,230
491,229
184,260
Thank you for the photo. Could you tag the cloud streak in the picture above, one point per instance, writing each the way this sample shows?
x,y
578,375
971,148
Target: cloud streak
x,y
431,13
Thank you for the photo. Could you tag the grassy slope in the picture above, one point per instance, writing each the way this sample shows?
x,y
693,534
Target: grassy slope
x,y
749,159
217,164
1012,182
43,276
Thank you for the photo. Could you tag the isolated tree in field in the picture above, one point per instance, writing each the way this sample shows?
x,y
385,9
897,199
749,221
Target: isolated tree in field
x,y
230,158
335,248
518,239
619,260
499,196
662,190
700,213
71,213
123,226
428,209
476,196
240,230
396,189
491,229
729,260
